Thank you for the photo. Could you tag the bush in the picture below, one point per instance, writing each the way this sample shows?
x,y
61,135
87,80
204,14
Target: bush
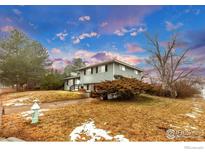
x,y
185,89
124,88
156,90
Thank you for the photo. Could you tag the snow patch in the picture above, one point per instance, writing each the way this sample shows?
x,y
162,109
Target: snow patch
x,y
173,126
28,114
17,101
192,115
198,110
93,134
190,127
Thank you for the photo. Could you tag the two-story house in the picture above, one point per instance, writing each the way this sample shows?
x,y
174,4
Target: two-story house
x,y
90,75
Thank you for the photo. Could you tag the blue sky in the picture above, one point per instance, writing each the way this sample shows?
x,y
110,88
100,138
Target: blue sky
x,y
98,33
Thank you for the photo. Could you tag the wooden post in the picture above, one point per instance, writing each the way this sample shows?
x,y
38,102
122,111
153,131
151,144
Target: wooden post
x,y
1,113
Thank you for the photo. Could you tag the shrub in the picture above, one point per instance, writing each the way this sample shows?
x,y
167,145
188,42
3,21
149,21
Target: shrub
x,y
156,90
185,89
123,88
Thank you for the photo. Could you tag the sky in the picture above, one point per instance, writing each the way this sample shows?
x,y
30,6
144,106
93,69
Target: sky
x,y
99,33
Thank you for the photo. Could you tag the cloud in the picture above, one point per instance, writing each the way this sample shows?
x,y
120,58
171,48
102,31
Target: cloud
x,y
56,51
7,28
197,54
17,12
196,38
193,11
84,18
133,34
133,31
7,19
96,57
126,16
103,24
59,63
120,32
179,44
76,39
133,48
62,35
83,53
170,26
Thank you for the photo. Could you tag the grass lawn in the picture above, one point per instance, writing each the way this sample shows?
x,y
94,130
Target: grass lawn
x,y
144,119
44,96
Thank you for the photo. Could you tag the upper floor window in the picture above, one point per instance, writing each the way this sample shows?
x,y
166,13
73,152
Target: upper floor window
x,y
106,68
101,68
88,71
96,69
122,67
136,72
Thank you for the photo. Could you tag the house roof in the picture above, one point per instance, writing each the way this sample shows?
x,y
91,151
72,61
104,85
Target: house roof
x,y
112,61
71,77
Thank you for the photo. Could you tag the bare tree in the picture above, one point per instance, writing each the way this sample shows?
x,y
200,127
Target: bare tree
x,y
167,61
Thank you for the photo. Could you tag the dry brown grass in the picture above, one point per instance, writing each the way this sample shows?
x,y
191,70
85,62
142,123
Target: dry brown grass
x,y
43,96
144,119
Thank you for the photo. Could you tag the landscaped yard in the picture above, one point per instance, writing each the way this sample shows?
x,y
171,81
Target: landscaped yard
x,y
22,98
145,119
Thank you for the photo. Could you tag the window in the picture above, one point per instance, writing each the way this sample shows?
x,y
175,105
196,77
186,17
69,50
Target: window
x,y
77,81
105,68
96,69
88,71
122,67
136,72
70,82
91,70
84,71
102,68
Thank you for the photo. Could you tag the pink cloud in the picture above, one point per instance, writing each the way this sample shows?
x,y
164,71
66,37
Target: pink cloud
x,y
93,58
7,28
59,63
133,48
56,51
180,43
128,16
